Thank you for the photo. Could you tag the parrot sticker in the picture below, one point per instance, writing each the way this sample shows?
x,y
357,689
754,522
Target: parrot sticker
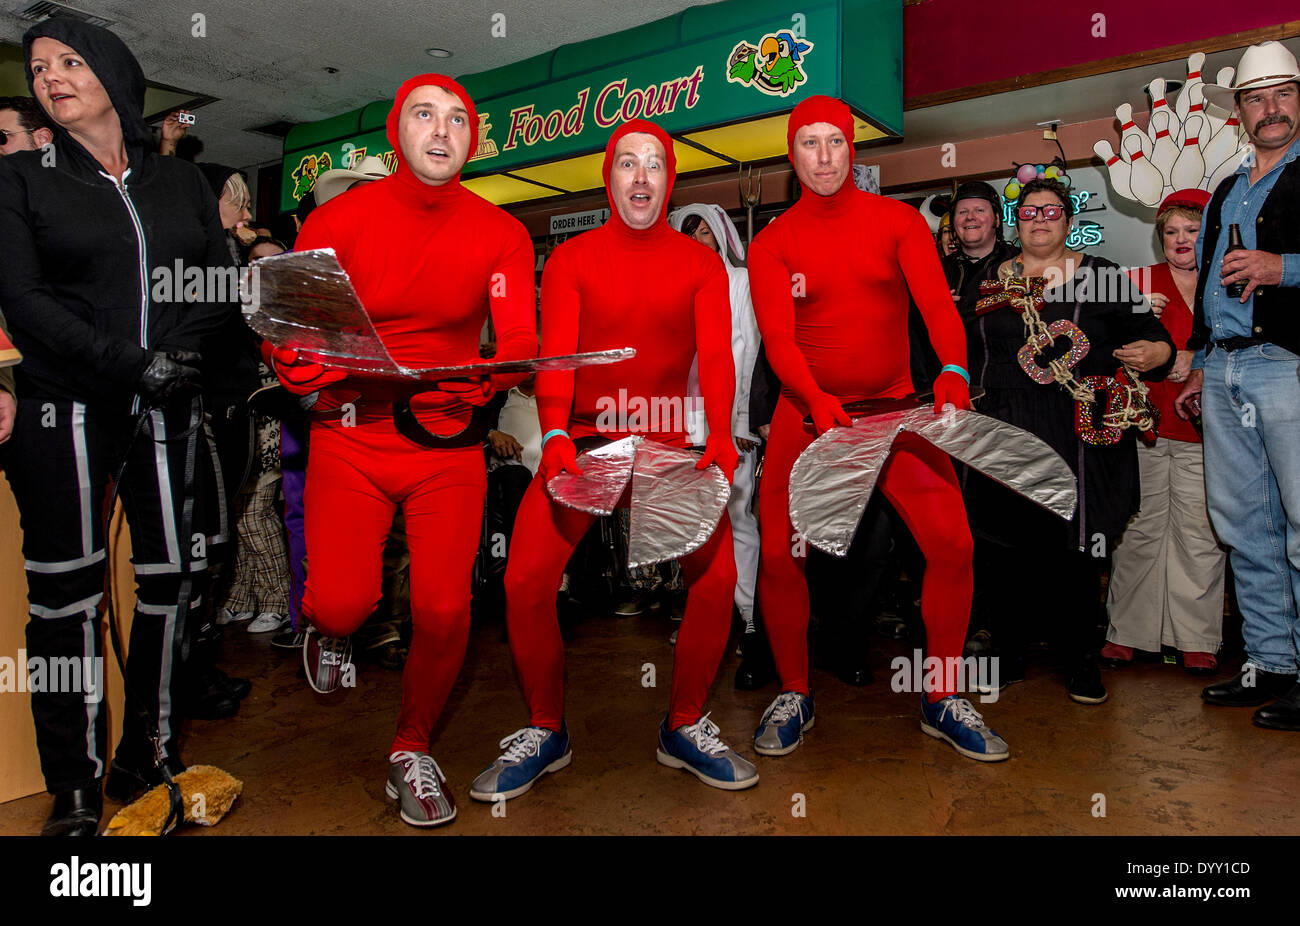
x,y
304,177
773,67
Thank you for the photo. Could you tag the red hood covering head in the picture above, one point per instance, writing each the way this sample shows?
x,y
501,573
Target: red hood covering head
x,y
819,108
429,80
628,128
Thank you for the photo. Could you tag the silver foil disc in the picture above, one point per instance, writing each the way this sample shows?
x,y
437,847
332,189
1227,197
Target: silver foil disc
x,y
675,507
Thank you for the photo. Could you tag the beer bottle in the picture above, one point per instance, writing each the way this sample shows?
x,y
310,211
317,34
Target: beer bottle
x,y
1234,244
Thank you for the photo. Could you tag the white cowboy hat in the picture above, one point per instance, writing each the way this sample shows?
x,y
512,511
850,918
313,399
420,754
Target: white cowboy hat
x,y
333,182
1264,65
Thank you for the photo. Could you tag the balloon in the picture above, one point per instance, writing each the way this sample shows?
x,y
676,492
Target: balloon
x,y
1011,190
1026,173
1052,171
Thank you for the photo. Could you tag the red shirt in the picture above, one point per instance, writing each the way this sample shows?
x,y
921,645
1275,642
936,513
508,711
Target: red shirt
x,y
1177,319
655,290
829,279
429,263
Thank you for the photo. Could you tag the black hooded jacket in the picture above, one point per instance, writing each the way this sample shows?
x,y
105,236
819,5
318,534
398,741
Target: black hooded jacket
x,y
86,260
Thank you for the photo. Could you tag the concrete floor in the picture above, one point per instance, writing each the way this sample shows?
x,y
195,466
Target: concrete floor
x,y
1165,763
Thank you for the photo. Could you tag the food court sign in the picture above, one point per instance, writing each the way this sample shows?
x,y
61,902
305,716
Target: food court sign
x,y
726,78
716,65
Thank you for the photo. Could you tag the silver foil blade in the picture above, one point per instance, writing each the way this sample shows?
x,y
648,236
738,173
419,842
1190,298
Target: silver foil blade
x,y
305,301
832,481
605,474
675,507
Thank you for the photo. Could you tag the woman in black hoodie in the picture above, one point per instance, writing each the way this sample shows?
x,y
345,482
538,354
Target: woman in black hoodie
x,y
104,243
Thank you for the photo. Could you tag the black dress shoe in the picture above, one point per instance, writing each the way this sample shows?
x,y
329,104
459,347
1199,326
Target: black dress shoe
x,y
754,673
1236,693
980,644
235,687
1084,679
890,626
1282,714
210,694
127,780
75,813
857,676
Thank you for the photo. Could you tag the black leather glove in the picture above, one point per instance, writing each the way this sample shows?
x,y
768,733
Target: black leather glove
x,y
173,373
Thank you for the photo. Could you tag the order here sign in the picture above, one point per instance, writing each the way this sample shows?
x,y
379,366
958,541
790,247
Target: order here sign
x,y
573,222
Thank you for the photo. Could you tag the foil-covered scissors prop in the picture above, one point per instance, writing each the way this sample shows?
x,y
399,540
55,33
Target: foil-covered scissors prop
x,y
305,301
674,507
832,480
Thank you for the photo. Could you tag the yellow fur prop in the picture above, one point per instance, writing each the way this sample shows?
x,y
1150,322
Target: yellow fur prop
x,y
207,793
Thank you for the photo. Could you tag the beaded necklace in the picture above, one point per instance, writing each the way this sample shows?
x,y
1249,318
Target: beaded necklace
x,y
1126,400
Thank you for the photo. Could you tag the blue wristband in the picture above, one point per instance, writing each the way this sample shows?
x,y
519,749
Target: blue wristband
x,y
551,433
960,371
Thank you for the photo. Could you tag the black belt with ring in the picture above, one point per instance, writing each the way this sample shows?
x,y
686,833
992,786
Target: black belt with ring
x,y
473,434
1236,343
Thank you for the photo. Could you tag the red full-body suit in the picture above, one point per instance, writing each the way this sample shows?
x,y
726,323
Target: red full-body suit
x,y
429,263
829,279
666,295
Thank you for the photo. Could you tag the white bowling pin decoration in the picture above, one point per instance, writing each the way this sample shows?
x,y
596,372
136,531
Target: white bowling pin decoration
x,y
1117,167
1223,145
1227,167
1124,113
1196,108
1189,170
1184,102
1158,105
1165,152
1144,179
1216,115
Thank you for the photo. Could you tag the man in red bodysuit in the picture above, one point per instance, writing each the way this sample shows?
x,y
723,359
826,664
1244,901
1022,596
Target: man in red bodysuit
x,y
632,283
429,261
829,280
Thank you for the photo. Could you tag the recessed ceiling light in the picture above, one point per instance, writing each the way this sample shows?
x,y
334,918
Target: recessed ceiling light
x,y
437,53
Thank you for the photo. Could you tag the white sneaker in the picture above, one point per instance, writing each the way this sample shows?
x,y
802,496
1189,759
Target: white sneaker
x,y
226,616
266,622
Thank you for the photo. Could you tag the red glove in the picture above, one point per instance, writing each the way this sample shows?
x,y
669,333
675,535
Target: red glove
x,y
827,413
950,387
559,455
301,377
720,449
477,391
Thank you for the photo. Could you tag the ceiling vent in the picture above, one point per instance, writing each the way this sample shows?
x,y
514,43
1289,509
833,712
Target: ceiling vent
x,y
42,10
273,129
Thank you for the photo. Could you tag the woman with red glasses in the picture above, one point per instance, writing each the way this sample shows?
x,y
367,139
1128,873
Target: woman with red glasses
x,y
1038,575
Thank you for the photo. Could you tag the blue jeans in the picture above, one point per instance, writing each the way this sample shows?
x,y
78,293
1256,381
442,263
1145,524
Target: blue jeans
x,y
1251,413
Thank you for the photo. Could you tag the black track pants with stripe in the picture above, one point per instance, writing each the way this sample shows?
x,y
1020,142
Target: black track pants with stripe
x,y
60,462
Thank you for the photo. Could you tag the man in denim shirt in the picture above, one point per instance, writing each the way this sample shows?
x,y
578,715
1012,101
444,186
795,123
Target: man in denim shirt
x,y
1247,367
